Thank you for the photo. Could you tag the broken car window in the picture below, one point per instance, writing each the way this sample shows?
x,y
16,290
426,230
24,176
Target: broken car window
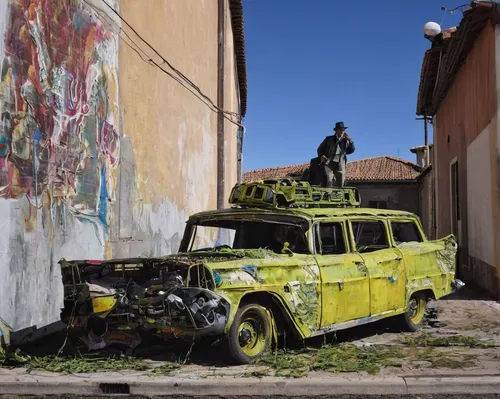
x,y
332,239
405,232
248,234
208,237
369,236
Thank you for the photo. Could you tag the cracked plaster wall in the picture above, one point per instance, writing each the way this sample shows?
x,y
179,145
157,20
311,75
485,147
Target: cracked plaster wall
x,y
122,179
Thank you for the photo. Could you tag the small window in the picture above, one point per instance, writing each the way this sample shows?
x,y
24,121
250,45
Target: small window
x,y
405,232
369,236
377,204
332,239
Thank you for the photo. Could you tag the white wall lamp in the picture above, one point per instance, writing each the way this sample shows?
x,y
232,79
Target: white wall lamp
x,y
431,30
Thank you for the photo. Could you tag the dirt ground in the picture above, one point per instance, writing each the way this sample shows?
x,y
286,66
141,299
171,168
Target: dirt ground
x,y
462,337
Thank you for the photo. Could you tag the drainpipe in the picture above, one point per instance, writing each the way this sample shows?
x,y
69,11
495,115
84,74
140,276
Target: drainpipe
x,y
220,105
426,142
241,136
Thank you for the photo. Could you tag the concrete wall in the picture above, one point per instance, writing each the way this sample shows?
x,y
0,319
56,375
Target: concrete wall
x,y
426,202
420,156
101,154
479,211
400,196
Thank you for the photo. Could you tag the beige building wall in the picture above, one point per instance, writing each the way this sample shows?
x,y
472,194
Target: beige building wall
x,y
399,195
170,134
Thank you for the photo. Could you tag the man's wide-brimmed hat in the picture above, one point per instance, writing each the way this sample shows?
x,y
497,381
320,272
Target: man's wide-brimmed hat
x,y
339,125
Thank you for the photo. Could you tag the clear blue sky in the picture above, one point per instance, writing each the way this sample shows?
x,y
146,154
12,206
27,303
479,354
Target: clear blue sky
x,y
314,62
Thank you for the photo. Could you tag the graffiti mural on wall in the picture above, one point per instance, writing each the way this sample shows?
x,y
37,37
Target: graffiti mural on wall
x,y
59,140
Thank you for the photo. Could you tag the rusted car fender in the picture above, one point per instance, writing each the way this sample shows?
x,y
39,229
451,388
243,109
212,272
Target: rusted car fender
x,y
271,300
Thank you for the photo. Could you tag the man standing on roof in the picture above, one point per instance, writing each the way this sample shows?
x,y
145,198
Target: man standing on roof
x,y
332,153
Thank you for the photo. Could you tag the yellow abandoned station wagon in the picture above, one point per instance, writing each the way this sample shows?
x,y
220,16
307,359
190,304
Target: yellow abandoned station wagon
x,y
285,258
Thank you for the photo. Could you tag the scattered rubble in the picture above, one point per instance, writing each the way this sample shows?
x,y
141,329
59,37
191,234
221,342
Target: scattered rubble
x,y
462,345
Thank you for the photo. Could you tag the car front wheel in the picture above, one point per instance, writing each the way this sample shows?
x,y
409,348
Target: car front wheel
x,y
250,334
415,315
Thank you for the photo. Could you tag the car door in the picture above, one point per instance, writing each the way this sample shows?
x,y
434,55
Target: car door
x,y
405,231
385,264
344,277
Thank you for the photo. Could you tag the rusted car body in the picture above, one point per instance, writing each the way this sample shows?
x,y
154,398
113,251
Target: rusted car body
x,y
286,258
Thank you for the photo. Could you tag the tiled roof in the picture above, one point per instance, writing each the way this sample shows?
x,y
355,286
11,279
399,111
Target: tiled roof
x,y
271,173
386,168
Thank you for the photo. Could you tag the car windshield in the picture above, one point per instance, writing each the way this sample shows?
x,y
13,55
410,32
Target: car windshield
x,y
247,233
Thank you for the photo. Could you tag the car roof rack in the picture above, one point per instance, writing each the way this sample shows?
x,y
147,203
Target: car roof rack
x,y
288,193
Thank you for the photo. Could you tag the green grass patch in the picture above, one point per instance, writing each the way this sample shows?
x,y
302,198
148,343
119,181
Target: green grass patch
x,y
332,358
428,340
438,359
165,369
71,364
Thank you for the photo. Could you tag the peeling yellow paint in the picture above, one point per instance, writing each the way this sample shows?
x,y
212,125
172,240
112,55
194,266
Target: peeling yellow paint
x,y
315,293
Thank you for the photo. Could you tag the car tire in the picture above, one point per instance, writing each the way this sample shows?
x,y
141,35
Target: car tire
x,y
250,335
414,317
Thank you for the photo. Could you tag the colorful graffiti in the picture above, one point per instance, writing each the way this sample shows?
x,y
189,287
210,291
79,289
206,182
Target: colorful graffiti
x,y
59,143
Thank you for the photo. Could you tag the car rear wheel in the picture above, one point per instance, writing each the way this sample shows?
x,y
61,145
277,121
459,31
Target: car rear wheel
x,y
250,334
415,315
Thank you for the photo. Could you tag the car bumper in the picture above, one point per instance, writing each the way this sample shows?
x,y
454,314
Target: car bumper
x,y
457,285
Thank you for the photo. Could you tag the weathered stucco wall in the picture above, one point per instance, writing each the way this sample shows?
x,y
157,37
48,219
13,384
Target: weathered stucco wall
x,y
171,135
400,196
98,160
426,203
481,220
466,111
59,149
466,130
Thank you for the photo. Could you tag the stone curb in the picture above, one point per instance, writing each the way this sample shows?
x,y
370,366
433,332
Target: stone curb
x,y
245,387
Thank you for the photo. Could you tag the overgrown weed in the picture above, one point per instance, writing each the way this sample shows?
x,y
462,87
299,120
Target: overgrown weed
x,y
429,340
332,358
438,359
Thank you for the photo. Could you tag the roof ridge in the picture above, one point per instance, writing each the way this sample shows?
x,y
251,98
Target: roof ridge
x,y
382,167
277,167
391,157
406,161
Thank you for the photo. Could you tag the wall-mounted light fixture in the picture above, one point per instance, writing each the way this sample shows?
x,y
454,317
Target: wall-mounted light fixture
x,y
431,30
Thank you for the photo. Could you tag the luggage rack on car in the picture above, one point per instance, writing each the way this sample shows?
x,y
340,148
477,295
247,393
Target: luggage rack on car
x,y
287,193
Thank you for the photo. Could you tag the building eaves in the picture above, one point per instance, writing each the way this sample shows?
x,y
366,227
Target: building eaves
x,y
414,150
238,25
443,60
424,173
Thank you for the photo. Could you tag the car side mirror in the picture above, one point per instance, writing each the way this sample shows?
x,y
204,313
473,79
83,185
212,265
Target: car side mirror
x,y
286,249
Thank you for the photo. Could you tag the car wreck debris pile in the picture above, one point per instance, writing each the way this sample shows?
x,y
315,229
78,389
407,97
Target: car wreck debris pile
x,y
163,295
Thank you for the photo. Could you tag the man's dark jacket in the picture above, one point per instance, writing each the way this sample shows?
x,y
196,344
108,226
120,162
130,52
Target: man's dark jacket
x,y
327,147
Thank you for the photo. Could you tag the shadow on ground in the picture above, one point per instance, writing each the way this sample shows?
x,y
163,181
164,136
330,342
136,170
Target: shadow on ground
x,y
207,354
470,292
201,353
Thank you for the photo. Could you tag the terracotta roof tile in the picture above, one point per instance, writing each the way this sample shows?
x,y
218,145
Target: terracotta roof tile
x,y
270,173
385,168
